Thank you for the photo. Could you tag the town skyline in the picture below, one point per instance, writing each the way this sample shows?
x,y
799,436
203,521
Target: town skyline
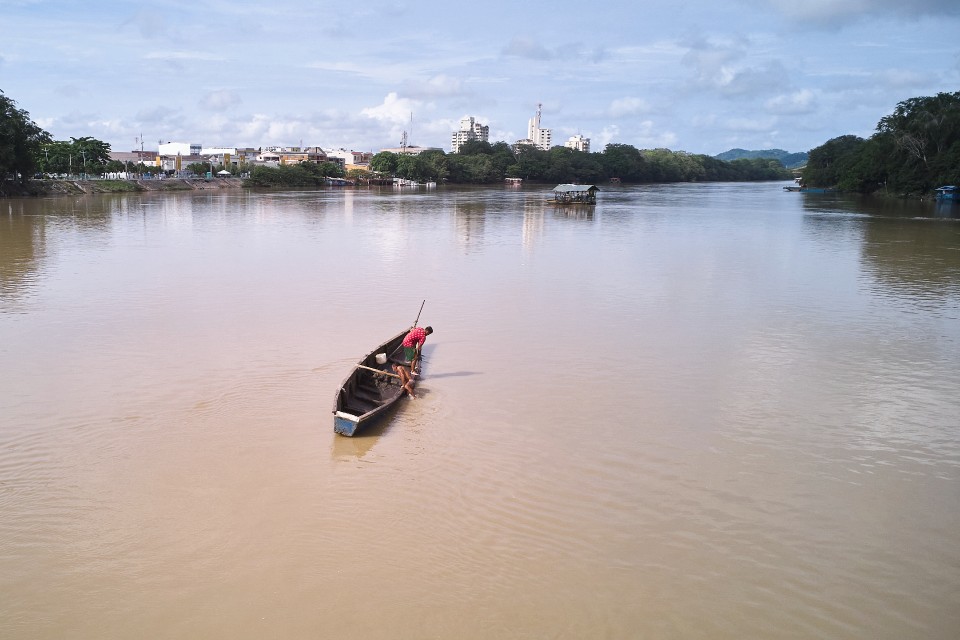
x,y
700,78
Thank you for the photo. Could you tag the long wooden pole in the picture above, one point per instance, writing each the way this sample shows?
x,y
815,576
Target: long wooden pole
x,y
419,312
386,373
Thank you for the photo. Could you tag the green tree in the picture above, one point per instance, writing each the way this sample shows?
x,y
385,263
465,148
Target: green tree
x,y
384,162
924,127
502,157
437,165
623,161
91,153
78,156
829,162
532,163
412,167
198,168
21,143
924,132
475,147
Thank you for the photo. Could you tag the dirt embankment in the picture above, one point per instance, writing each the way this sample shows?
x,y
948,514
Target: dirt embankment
x,y
79,187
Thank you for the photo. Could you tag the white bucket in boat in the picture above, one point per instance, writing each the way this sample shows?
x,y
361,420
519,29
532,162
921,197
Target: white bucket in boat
x,y
381,358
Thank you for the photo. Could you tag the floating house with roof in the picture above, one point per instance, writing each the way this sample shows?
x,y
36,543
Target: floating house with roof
x,y
575,194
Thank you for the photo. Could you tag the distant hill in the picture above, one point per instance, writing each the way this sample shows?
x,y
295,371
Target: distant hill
x,y
789,160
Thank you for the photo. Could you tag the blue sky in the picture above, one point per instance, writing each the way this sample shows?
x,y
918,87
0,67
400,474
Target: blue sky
x,y
701,76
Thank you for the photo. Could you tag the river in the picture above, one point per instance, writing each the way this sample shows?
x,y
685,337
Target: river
x,y
691,411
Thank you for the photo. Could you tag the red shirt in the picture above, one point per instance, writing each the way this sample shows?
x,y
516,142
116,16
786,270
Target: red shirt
x,y
417,336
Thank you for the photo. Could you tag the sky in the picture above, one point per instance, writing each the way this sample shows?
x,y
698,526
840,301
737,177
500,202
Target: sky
x,y
702,76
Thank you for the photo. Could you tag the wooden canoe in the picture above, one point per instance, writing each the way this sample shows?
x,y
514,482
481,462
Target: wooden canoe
x,y
371,389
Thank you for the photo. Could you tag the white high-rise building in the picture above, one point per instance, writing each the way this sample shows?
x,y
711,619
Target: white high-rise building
x,y
470,129
540,138
579,143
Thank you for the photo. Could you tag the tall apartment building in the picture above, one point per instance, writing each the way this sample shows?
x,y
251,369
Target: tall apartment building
x,y
539,137
579,143
470,129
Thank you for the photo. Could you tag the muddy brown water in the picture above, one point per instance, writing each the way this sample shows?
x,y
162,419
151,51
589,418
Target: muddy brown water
x,y
697,411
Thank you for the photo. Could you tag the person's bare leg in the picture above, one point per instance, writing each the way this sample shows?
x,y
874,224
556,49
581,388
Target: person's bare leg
x,y
405,380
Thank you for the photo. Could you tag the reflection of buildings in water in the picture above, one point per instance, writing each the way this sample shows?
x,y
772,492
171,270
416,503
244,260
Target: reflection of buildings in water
x,y
348,204
469,217
532,222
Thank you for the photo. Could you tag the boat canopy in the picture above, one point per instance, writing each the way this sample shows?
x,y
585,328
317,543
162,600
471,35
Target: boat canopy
x,y
948,192
575,193
575,188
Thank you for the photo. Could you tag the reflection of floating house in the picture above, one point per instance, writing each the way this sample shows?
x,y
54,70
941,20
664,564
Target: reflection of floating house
x,y
948,192
575,194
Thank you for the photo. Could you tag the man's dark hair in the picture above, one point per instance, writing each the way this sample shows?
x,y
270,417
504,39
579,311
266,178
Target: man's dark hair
x,y
428,329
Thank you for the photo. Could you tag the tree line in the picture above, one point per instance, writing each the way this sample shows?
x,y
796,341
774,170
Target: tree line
x,y
480,162
913,151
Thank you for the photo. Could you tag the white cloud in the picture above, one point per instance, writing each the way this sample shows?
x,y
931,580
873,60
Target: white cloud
x,y
437,86
753,125
647,135
220,100
527,48
183,56
622,107
609,134
831,13
798,102
393,109
721,66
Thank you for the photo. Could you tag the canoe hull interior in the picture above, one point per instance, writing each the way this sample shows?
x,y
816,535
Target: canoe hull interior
x,y
366,394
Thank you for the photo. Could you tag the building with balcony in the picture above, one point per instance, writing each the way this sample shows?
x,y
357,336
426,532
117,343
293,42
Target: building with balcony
x,y
579,143
470,129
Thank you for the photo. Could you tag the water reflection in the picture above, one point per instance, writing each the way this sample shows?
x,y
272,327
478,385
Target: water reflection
x,y
22,251
877,206
914,260
906,249
469,218
355,448
574,211
532,222
946,209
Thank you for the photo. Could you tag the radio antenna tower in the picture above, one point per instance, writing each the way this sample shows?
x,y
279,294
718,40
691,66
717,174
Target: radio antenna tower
x,y
403,139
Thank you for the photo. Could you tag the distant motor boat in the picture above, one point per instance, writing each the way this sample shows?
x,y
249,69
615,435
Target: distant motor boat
x,y
948,192
800,188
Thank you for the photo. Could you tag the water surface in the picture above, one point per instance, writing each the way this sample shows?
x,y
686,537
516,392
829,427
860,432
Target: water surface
x,y
698,411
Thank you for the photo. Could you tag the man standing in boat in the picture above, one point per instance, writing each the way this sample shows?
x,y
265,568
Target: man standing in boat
x,y
412,344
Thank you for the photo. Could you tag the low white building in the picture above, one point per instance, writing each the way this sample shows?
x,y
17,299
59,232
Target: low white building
x,y
579,143
179,149
349,158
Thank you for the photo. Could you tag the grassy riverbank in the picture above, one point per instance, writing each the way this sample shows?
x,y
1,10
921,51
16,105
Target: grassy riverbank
x,y
80,187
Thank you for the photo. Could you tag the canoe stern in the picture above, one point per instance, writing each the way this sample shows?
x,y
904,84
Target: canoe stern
x,y
345,423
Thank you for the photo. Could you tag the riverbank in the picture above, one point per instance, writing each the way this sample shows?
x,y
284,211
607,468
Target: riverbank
x,y
39,188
